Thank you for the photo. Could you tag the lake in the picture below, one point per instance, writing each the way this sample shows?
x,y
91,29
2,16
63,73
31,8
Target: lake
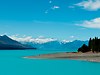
x,y
12,63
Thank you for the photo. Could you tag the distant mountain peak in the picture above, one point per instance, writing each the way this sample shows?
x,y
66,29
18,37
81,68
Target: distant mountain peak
x,y
5,36
2,35
8,43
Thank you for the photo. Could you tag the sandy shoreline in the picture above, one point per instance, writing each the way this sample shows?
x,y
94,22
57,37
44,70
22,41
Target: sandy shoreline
x,y
93,57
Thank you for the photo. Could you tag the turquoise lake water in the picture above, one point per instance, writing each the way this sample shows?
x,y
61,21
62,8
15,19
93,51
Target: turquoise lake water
x,y
12,63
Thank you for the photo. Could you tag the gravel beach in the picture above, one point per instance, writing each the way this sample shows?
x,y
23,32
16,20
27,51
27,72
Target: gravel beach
x,y
89,56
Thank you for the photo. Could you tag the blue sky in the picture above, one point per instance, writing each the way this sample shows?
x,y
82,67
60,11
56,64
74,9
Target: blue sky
x,y
62,19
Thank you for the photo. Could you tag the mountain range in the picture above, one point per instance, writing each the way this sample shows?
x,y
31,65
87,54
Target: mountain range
x,y
8,43
58,45
40,43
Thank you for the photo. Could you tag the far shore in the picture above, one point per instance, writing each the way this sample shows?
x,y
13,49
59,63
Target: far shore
x,y
89,56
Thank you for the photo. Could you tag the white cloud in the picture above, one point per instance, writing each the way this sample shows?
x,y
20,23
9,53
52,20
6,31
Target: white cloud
x,y
51,8
91,5
94,23
55,7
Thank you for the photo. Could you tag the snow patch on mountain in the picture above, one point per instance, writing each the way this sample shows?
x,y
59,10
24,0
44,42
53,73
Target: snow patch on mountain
x,y
43,43
39,40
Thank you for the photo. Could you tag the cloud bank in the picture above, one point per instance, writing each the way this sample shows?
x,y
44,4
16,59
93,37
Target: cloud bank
x,y
55,7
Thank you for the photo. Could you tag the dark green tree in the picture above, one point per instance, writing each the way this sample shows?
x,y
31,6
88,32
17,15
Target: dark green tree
x,y
84,49
93,45
90,44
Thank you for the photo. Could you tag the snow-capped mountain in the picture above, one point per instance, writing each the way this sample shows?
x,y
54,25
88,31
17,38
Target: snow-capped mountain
x,y
58,45
39,40
51,43
8,43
